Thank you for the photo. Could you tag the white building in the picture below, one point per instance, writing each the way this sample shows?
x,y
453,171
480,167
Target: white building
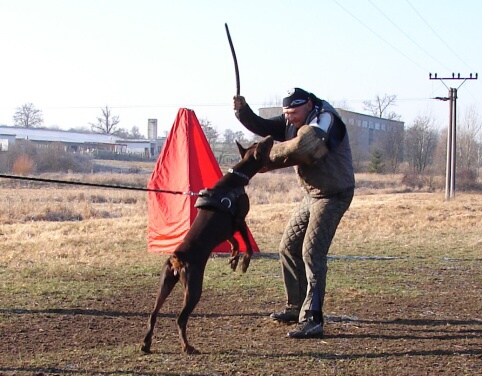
x,y
79,142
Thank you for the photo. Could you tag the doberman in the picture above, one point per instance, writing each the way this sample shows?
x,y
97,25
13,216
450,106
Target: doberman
x,y
222,212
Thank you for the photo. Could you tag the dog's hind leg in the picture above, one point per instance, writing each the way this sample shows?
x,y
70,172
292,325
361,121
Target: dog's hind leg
x,y
234,259
243,230
169,278
192,280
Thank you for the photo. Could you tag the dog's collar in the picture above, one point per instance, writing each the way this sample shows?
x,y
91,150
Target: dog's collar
x,y
217,198
240,174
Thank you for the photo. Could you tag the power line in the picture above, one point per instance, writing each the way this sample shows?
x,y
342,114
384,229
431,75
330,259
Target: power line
x,y
379,37
51,108
438,36
406,35
128,106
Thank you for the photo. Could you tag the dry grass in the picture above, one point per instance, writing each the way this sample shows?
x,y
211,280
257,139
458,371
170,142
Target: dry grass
x,y
76,284
70,222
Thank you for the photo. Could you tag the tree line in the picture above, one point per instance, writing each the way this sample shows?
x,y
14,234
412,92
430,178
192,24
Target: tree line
x,y
425,144
28,116
420,148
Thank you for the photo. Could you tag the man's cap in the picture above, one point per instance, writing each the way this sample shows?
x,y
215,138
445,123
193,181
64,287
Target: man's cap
x,y
296,97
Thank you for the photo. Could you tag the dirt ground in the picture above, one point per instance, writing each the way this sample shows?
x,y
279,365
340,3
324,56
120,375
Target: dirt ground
x,y
433,334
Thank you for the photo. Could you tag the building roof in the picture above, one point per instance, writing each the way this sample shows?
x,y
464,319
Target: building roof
x,y
49,135
375,118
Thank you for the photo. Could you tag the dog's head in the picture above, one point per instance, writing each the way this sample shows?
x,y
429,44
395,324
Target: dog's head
x,y
259,150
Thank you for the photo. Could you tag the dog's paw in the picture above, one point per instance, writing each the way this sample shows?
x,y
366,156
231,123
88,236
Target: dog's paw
x,y
146,349
245,264
233,262
191,350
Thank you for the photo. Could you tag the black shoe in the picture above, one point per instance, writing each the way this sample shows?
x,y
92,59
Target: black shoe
x,y
307,329
288,315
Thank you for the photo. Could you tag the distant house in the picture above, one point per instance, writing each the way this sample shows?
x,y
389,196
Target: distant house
x,y
79,142
5,140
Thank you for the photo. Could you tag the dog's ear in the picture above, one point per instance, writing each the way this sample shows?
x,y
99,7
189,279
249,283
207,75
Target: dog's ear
x,y
242,151
263,148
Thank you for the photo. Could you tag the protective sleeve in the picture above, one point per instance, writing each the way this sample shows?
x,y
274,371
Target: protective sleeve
x,y
306,148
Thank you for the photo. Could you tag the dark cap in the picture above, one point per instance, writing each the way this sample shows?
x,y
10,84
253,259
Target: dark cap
x,y
296,97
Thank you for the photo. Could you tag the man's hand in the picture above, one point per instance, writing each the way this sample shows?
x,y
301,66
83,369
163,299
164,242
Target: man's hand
x,y
238,102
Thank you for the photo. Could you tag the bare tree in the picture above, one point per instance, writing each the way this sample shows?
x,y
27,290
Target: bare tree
x,y
439,163
379,107
228,152
392,145
420,143
28,116
467,135
106,123
133,134
210,132
136,133
229,136
226,146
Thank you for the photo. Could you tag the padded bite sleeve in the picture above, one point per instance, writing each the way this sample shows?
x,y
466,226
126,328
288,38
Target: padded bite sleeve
x,y
306,148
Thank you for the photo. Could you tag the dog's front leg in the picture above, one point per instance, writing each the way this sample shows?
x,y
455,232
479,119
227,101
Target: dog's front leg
x,y
234,259
243,230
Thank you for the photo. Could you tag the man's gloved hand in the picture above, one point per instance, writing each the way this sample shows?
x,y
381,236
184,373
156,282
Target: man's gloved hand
x,y
238,102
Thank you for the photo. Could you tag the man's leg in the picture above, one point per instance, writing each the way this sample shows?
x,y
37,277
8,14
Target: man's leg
x,y
325,215
292,265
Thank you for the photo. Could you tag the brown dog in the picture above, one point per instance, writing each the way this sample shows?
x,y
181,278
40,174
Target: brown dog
x,y
222,212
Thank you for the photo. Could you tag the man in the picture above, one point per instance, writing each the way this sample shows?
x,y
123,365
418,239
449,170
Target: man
x,y
314,139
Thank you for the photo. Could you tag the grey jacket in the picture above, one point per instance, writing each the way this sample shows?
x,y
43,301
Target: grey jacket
x,y
320,174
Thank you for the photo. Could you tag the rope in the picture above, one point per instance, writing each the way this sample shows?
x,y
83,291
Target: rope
x,y
28,178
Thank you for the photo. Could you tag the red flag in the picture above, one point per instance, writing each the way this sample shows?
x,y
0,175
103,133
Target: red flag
x,y
186,164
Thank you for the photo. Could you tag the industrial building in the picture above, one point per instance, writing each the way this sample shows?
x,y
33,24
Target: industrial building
x,y
83,142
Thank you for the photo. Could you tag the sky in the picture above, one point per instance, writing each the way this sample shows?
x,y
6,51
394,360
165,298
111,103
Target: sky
x,y
148,58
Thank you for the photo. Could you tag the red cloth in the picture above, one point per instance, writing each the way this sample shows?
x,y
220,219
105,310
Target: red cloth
x,y
186,163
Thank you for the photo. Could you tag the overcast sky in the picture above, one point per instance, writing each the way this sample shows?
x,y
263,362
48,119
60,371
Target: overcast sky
x,y
148,58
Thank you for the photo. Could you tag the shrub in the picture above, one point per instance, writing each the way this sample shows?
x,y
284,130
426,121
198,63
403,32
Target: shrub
x,y
58,160
56,215
466,180
376,163
413,180
51,159
23,165
17,150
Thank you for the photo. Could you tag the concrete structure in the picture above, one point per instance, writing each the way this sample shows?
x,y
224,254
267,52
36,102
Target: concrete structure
x,y
152,129
373,129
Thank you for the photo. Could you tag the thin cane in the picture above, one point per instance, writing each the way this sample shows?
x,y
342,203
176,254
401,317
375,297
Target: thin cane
x,y
236,68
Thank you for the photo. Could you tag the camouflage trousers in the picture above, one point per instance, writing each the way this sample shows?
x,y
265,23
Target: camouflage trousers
x,y
304,248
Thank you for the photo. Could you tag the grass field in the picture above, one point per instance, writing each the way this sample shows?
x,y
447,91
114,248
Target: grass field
x,y
76,287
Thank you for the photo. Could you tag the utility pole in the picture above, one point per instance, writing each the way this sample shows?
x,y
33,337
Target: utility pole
x,y
451,131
